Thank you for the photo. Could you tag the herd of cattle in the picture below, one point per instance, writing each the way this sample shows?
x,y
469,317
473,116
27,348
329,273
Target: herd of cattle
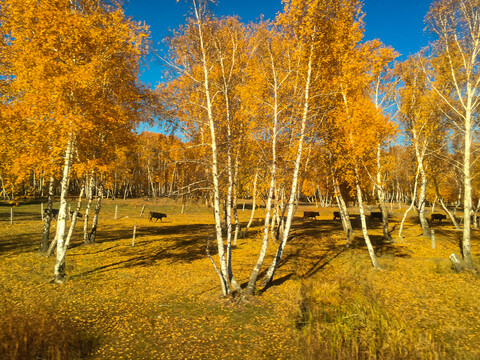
x,y
373,215
306,215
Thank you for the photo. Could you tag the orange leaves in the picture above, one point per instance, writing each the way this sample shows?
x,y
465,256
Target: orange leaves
x,y
73,69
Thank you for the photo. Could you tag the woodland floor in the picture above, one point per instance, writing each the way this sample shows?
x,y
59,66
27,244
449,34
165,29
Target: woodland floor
x,y
160,299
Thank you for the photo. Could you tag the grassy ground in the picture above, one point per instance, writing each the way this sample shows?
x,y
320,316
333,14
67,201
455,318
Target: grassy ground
x,y
160,298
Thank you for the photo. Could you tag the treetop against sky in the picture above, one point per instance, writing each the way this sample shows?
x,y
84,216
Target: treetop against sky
x,y
399,24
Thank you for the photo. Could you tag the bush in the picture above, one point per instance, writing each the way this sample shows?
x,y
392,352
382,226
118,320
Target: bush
x,y
343,319
41,336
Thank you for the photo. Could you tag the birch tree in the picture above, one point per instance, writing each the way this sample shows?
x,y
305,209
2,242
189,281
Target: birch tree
x,y
313,27
455,57
74,65
267,95
421,123
193,57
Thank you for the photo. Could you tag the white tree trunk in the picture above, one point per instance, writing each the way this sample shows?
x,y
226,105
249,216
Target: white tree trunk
x,y
59,269
293,191
414,196
93,231
252,213
343,209
74,219
273,173
467,195
223,271
48,218
371,251
89,194
381,197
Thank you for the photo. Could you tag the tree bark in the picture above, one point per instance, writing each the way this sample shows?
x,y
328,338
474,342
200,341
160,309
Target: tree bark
x,y
381,198
444,207
467,183
89,194
74,219
252,213
293,191
414,197
93,231
343,209
273,172
371,251
423,185
48,218
223,271
59,269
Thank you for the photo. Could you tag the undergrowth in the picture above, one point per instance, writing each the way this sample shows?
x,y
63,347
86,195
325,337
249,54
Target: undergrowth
x,y
40,335
159,299
343,318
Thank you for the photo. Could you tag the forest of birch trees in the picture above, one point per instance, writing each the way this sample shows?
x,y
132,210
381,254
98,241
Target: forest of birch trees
x,y
298,108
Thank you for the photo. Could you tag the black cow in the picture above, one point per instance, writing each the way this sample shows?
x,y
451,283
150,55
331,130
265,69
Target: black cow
x,y
336,214
310,214
438,217
79,215
54,213
376,215
157,215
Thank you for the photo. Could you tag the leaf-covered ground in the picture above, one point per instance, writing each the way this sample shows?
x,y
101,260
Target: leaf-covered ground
x,y
160,299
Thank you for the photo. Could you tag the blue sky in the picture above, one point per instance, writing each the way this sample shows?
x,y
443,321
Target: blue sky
x,y
398,23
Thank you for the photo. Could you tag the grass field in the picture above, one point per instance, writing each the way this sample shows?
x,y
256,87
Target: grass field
x,y
160,299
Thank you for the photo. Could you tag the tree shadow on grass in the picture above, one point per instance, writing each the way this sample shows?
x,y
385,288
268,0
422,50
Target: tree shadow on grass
x,y
188,245
323,260
20,215
380,245
276,282
21,244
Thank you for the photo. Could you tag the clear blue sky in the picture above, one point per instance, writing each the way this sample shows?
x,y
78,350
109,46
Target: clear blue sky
x,y
398,23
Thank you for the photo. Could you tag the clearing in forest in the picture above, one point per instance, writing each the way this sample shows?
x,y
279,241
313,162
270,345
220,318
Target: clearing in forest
x,y
160,299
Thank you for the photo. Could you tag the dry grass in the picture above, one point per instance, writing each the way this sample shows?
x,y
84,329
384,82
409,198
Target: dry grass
x,y
160,298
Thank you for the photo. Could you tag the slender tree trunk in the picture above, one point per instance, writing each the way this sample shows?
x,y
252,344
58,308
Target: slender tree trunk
x,y
421,203
444,207
223,270
381,198
273,172
59,269
89,194
291,203
234,200
252,213
74,219
371,251
48,218
467,195
343,209
414,196
4,191
93,231
475,215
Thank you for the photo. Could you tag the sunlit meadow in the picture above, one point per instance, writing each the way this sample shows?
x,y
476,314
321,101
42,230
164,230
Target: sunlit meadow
x,y
159,298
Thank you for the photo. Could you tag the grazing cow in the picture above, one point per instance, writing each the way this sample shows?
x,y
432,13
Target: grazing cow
x,y
310,214
54,213
376,215
438,217
79,215
336,214
157,215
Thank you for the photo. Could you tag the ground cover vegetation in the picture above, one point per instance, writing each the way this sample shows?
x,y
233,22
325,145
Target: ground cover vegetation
x,y
159,298
261,122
